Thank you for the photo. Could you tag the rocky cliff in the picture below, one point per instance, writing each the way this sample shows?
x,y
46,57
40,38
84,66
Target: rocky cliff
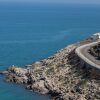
x,y
64,76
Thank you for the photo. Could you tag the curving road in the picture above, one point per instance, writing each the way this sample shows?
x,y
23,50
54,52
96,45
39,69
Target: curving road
x,y
82,52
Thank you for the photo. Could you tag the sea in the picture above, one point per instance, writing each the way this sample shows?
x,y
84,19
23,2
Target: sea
x,y
30,32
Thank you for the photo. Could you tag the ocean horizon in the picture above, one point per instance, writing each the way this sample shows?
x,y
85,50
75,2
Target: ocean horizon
x,y
32,32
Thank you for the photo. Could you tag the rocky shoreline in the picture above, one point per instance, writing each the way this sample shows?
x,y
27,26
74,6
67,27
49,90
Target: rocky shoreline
x,y
62,75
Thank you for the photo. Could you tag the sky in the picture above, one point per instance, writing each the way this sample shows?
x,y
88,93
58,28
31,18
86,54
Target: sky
x,y
56,1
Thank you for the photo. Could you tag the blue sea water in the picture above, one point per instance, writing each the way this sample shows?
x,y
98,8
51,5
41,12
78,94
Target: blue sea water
x,y
31,32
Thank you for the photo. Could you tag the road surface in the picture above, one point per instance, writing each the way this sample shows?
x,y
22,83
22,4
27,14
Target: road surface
x,y
83,53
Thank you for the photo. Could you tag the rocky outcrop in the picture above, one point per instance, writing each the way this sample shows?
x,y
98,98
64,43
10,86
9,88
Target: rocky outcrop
x,y
64,76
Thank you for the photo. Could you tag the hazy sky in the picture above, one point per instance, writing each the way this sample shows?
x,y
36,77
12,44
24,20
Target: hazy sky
x,y
57,1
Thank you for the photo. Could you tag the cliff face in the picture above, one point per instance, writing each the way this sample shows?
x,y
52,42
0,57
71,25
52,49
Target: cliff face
x,y
63,76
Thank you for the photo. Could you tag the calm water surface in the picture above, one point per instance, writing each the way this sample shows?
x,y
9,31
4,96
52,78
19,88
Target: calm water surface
x,y
31,32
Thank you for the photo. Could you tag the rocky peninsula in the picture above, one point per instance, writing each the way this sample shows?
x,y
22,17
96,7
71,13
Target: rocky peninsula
x,y
63,76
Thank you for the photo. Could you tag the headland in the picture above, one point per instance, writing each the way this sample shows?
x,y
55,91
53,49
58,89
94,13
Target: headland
x,y
64,76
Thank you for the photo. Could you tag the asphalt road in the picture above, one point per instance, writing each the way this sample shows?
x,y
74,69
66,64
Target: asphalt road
x,y
82,52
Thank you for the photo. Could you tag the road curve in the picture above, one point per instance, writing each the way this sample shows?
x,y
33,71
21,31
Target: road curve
x,y
82,52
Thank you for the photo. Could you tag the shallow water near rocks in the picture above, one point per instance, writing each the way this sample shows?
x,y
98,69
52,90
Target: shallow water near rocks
x,y
31,32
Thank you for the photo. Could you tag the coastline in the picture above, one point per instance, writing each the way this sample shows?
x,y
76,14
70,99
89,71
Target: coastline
x,y
62,75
